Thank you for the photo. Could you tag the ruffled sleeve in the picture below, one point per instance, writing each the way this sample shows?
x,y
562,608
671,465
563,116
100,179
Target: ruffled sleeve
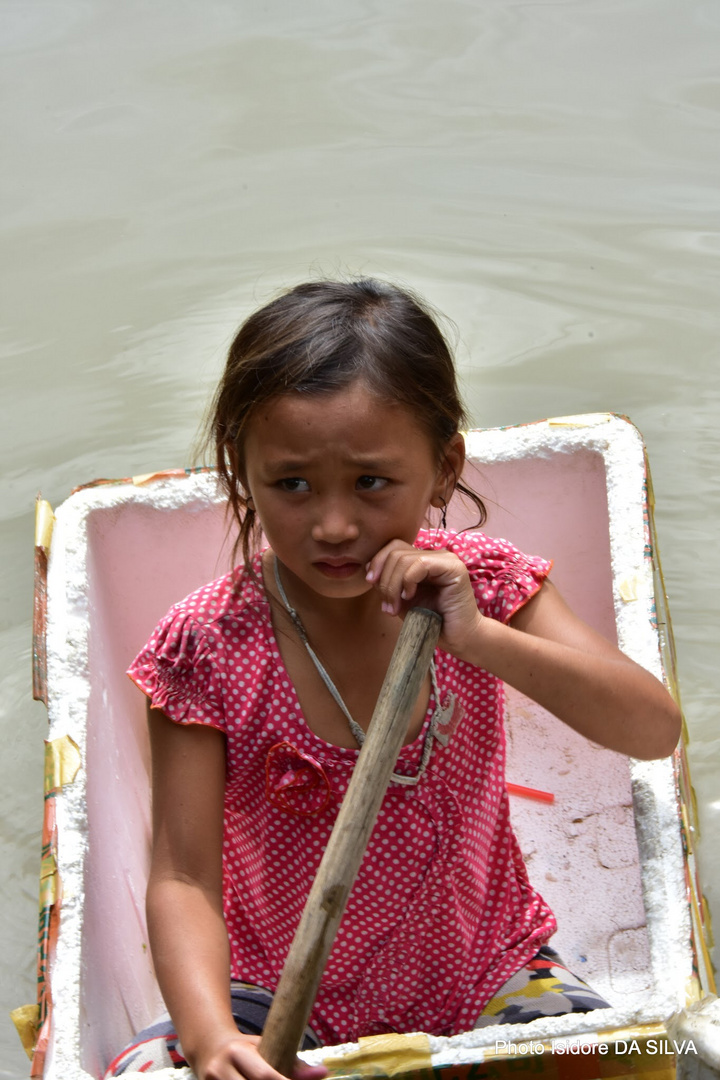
x,y
503,578
178,670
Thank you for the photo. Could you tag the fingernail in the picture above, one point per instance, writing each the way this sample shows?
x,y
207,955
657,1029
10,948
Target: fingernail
x,y
387,607
370,575
403,595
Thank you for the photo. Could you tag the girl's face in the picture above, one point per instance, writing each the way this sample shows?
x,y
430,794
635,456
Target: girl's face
x,y
336,476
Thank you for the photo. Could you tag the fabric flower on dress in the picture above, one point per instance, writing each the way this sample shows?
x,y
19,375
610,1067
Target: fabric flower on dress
x,y
295,782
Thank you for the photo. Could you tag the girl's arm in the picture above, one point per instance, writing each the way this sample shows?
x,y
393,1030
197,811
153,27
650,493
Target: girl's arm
x,y
546,652
184,902
555,658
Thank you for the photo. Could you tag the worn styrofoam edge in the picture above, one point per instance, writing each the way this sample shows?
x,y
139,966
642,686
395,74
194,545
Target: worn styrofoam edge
x,y
621,447
472,1047
654,795
653,782
701,1023
69,693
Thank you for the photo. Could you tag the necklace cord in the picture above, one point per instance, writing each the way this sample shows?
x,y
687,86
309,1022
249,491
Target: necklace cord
x,y
356,731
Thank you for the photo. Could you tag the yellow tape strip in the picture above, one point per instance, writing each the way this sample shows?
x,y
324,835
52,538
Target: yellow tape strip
x,y
145,478
642,1031
628,1046
49,880
62,761
709,936
44,521
384,1055
707,978
630,587
26,1019
619,1053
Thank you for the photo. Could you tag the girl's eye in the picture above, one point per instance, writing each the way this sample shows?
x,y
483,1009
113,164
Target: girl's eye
x,y
294,483
371,483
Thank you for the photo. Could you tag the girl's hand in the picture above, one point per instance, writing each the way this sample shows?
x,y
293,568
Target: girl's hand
x,y
546,652
406,577
237,1058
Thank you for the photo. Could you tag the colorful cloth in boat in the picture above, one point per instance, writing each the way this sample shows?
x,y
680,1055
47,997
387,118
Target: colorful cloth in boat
x,y
544,987
157,1047
442,913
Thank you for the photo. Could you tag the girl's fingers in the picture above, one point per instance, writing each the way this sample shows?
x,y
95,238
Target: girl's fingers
x,y
303,1071
376,566
399,572
254,1067
240,1059
390,583
407,577
408,572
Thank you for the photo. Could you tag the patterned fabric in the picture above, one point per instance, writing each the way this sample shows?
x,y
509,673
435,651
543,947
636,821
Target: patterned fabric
x,y
157,1047
442,913
544,987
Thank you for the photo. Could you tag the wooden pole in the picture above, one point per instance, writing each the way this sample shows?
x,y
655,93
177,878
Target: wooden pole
x,y
305,962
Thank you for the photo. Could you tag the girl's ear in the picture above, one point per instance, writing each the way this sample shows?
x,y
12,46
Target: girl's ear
x,y
449,470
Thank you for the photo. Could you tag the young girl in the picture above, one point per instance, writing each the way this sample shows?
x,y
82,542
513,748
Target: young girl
x,y
337,426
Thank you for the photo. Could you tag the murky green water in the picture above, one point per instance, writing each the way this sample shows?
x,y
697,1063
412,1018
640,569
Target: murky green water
x,y
547,173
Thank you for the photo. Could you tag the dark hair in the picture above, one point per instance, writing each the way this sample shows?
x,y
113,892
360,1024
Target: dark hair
x,y
322,336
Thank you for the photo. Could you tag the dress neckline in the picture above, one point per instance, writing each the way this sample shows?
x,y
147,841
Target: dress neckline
x,y
410,753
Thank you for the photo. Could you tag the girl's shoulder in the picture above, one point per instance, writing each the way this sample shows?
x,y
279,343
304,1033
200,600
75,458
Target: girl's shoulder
x,y
502,576
473,546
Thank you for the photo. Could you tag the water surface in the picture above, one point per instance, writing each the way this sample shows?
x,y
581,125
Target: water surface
x,y
546,173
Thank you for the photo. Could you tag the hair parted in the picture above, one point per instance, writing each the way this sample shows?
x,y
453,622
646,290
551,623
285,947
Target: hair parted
x,y
319,337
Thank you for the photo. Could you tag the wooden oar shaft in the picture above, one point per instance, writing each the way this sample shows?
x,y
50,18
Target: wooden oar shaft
x,y
295,994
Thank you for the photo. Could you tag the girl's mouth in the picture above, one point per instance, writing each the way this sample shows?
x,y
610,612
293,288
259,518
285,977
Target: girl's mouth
x,y
337,569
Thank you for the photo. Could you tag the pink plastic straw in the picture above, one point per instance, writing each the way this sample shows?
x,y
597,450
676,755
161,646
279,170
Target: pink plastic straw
x,y
530,793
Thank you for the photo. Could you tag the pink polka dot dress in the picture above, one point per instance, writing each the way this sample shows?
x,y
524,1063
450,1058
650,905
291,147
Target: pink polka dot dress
x,y
442,913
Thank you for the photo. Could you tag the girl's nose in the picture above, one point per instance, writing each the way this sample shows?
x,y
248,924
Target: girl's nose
x,y
334,525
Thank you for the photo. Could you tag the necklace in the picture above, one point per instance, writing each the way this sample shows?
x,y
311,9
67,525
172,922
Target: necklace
x,y
439,715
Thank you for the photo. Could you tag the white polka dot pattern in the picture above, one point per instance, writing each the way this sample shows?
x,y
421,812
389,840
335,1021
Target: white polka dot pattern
x,y
442,913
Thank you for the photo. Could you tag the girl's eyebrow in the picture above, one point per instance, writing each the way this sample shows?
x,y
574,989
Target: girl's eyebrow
x,y
364,462
286,465
377,465
376,460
